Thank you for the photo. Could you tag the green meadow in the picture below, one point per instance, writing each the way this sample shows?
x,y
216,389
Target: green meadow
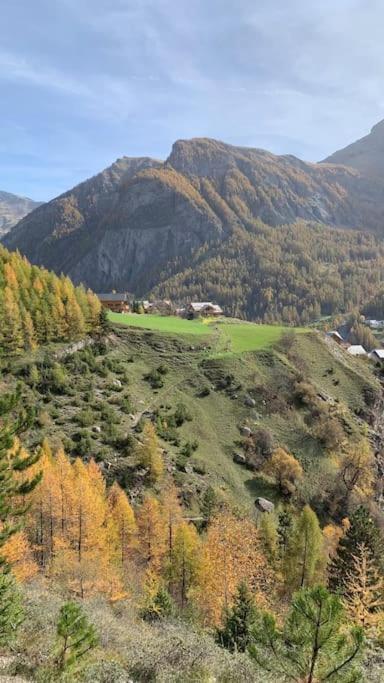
x,y
226,337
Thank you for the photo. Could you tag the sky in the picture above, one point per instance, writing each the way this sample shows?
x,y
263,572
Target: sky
x,y
83,82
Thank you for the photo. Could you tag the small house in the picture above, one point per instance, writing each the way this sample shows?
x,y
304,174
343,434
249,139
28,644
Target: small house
x,y
356,350
204,308
117,302
336,336
377,355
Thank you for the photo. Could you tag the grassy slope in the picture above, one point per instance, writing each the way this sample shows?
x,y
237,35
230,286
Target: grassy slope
x,y
225,336
217,416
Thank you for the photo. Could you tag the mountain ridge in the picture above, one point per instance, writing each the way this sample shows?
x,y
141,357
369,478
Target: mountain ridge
x,y
13,208
142,222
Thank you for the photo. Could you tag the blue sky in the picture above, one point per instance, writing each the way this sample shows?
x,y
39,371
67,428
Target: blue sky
x,y
83,82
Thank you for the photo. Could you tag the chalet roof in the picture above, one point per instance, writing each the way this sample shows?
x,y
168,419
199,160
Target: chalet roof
x,y
378,352
335,333
113,296
357,350
201,305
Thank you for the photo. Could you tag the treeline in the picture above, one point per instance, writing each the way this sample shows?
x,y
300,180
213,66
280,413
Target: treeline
x,y
37,307
291,274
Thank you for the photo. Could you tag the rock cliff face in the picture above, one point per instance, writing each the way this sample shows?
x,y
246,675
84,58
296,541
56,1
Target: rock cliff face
x,y
13,209
366,155
139,218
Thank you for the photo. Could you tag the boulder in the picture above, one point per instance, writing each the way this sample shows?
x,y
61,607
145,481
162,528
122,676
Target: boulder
x,y
188,469
249,401
239,458
245,431
96,429
117,383
264,505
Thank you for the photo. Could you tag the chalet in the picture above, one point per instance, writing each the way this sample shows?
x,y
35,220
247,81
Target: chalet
x,y
357,350
336,336
377,355
115,301
203,308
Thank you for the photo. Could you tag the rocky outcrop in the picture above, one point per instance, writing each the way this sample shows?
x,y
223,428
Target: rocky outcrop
x,y
13,209
141,221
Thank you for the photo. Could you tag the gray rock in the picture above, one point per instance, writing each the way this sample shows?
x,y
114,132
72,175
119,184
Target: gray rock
x,y
117,383
96,429
239,458
249,401
188,469
245,431
264,505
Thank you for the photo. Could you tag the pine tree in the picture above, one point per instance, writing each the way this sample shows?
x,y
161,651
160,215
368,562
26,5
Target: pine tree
x,y
315,643
76,636
363,530
239,620
11,612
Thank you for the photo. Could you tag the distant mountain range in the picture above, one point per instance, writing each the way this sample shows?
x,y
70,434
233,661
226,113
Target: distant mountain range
x,y
13,209
176,227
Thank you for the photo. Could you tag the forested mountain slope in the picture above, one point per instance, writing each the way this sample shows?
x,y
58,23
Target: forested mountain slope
x,y
37,307
141,224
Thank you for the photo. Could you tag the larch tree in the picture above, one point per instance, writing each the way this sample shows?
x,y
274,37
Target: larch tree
x,y
285,469
149,454
184,566
303,556
151,534
362,530
123,516
232,552
365,599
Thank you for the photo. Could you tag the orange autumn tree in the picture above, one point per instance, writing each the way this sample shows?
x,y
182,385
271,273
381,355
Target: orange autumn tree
x,y
185,564
151,534
232,552
121,512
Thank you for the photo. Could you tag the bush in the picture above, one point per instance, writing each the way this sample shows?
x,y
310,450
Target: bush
x,y
155,379
85,417
182,414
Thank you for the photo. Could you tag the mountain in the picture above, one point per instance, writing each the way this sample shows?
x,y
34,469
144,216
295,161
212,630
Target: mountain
x,y
366,155
13,209
241,225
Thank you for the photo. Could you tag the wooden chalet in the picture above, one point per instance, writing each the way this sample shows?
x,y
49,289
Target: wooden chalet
x,y
117,302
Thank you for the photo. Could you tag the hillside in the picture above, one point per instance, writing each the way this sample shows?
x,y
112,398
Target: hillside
x,y
141,224
12,209
92,401
365,155
155,442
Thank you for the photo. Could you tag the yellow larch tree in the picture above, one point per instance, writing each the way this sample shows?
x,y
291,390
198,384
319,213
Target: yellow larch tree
x,y
185,563
151,534
232,553
365,600
123,516
148,453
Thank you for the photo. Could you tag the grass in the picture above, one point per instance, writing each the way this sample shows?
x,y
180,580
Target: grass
x,y
229,337
161,323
